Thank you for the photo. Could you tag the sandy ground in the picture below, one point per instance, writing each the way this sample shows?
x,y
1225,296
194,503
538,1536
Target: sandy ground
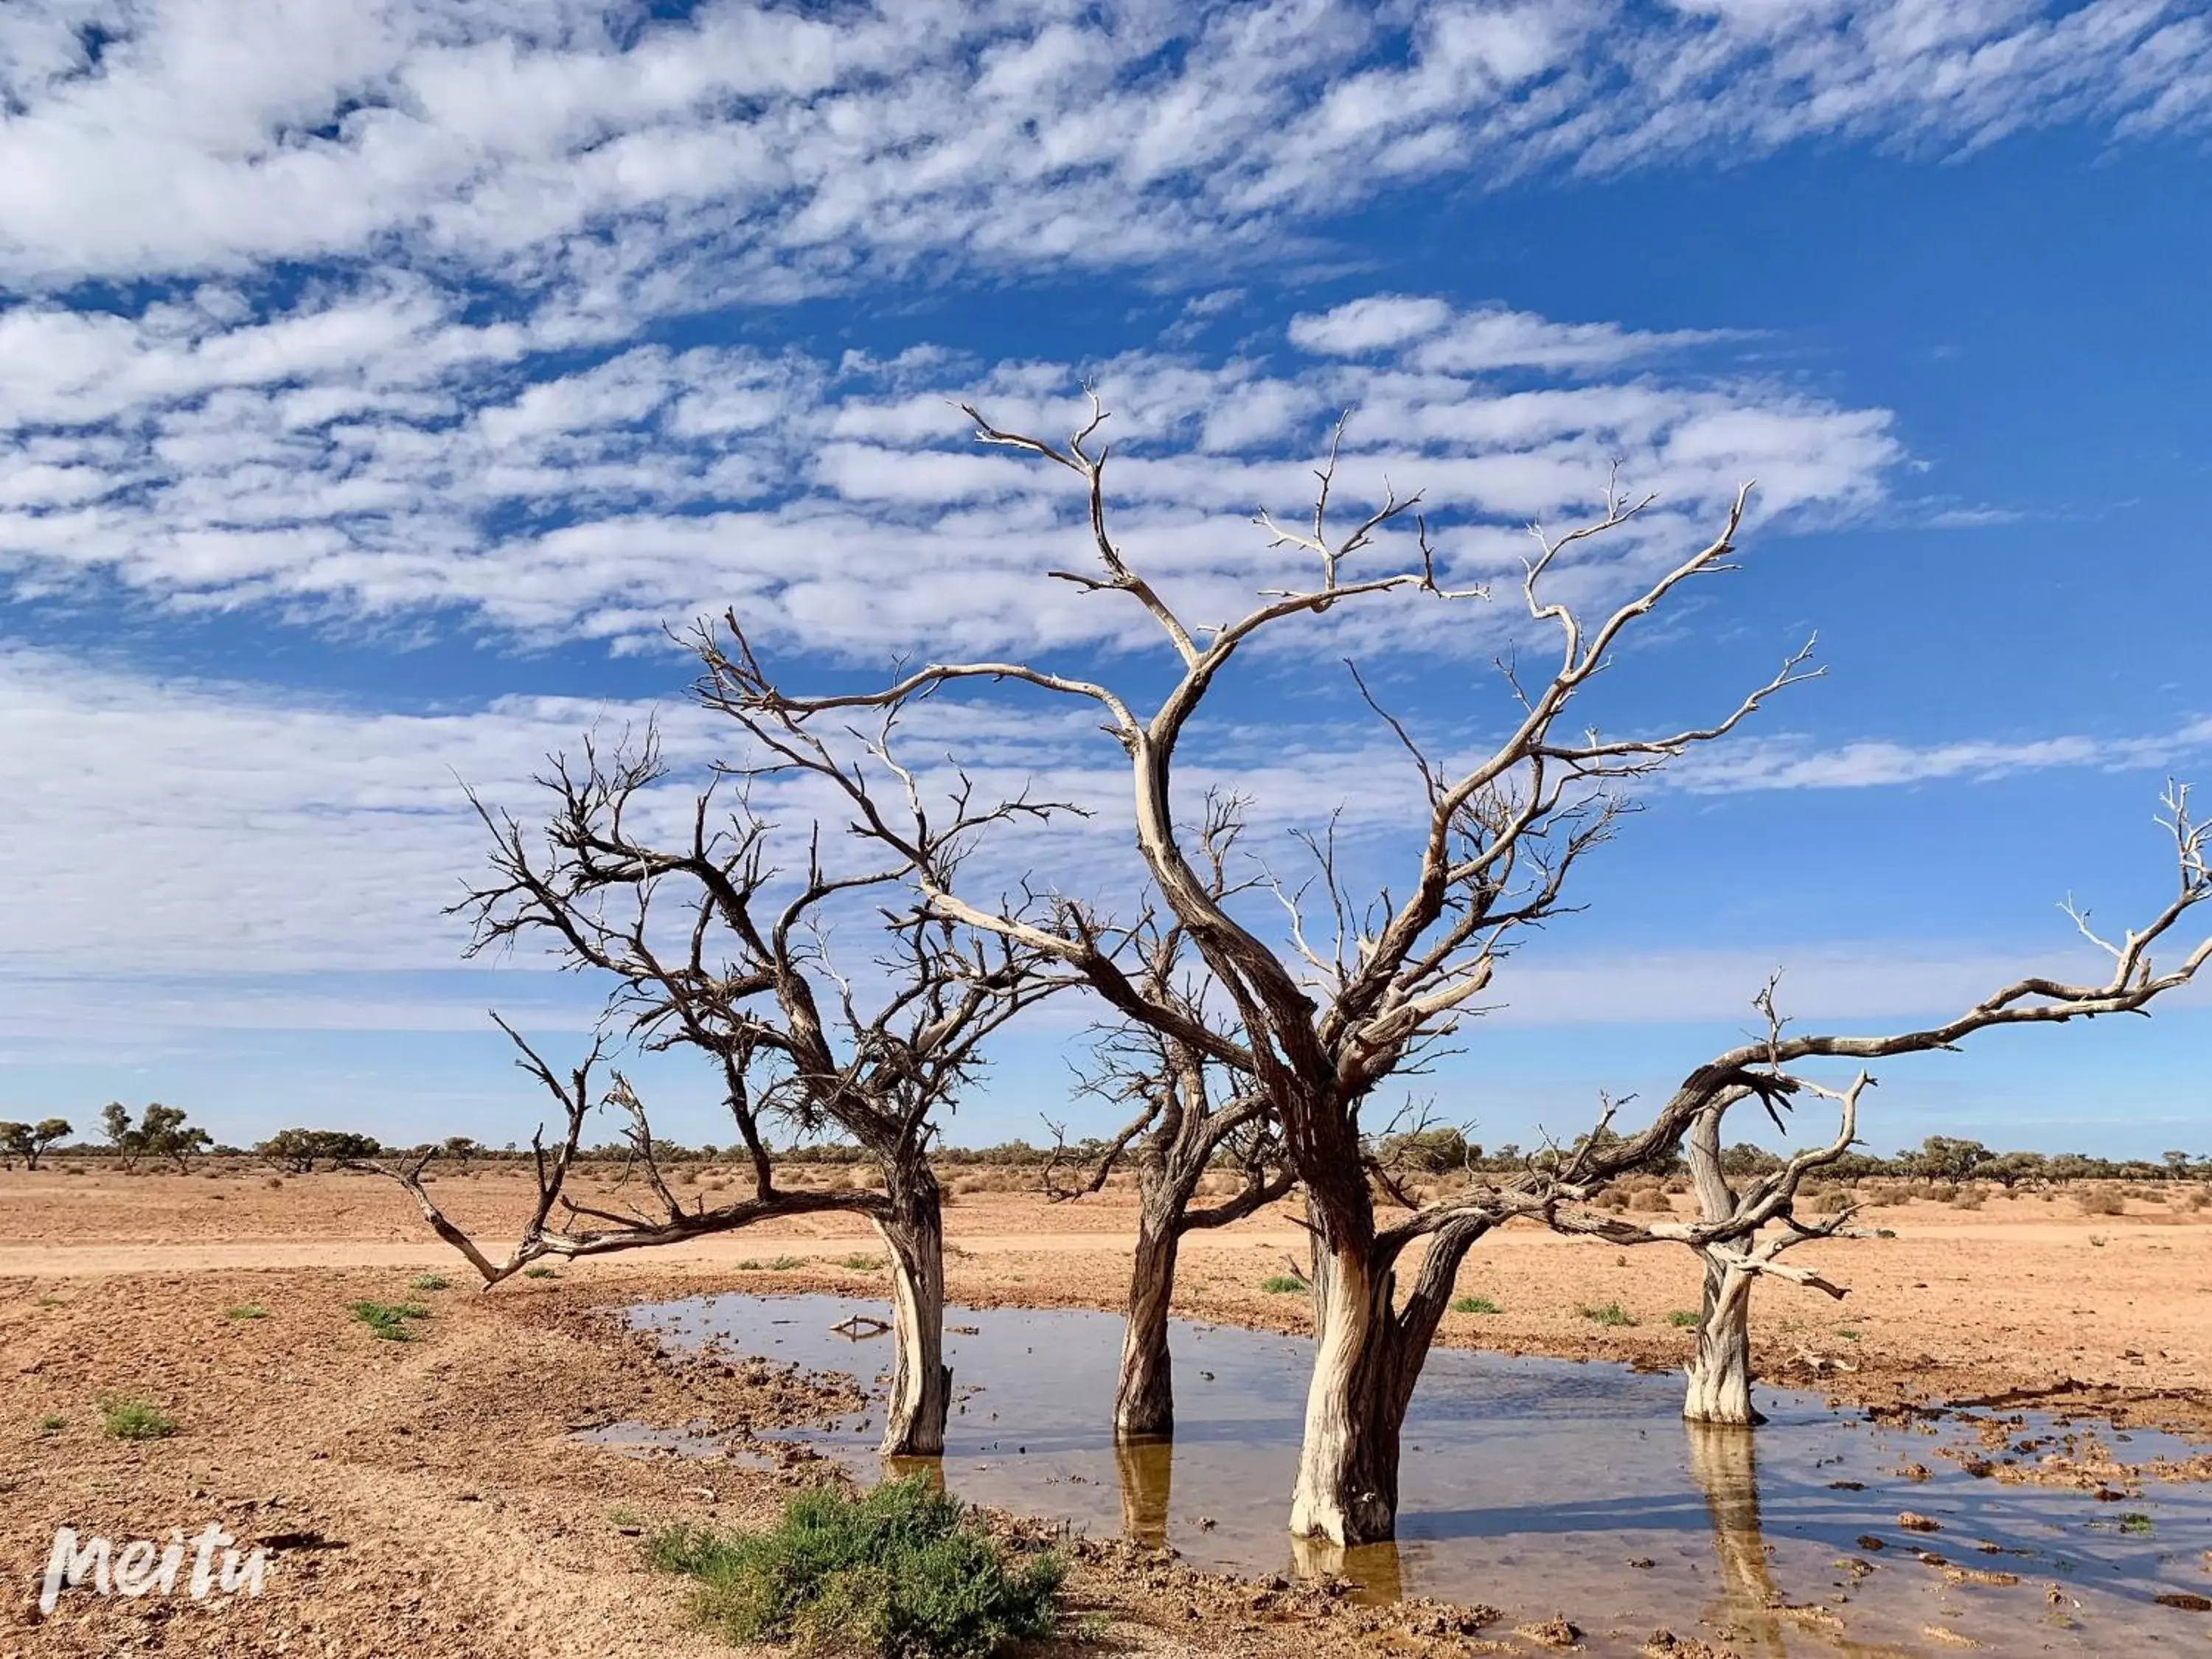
x,y
426,1499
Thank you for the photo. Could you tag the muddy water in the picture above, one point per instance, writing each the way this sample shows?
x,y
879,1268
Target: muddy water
x,y
1538,1486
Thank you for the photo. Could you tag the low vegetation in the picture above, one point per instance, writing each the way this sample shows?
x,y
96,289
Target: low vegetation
x,y
1476,1305
1606,1313
899,1572
1283,1284
388,1320
122,1418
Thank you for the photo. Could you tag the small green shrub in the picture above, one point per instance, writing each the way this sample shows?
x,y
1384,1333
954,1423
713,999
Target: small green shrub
x,y
1282,1283
387,1319
539,1273
50,1423
134,1419
783,1264
246,1310
864,1264
430,1282
898,1572
1684,1319
1481,1305
1607,1313
749,1266
2136,1522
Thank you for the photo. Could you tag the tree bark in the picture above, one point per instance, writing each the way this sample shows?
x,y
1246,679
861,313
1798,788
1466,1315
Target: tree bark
x,y
1347,1482
1144,1400
921,1384
1720,1373
1368,1355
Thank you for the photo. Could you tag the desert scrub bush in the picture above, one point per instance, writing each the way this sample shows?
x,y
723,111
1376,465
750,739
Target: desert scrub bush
x,y
783,1264
898,1572
2100,1200
1683,1319
246,1310
1282,1283
52,1423
863,1264
134,1419
1649,1200
1610,1199
430,1282
1969,1198
539,1273
1606,1313
1833,1201
1481,1305
388,1320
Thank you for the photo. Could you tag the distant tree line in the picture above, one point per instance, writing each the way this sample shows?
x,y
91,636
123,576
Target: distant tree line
x,y
162,1134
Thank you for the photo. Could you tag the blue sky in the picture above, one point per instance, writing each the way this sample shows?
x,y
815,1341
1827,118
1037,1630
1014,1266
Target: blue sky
x,y
378,378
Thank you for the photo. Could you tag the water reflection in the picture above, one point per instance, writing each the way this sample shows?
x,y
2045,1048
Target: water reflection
x,y
1147,1471
1724,1462
1528,1484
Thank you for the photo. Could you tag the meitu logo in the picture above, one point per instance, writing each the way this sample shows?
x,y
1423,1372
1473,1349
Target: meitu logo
x,y
143,1567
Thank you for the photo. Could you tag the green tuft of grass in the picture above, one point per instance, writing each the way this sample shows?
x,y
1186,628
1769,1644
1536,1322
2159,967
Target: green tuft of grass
x,y
1282,1283
863,1264
246,1310
539,1273
783,1264
1685,1319
749,1265
2136,1522
1476,1305
52,1423
134,1419
388,1320
1847,1335
430,1282
1606,1313
899,1572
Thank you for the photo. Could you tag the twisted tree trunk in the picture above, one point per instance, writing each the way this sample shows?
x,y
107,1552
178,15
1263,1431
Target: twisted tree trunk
x,y
1720,1373
1143,1399
913,1229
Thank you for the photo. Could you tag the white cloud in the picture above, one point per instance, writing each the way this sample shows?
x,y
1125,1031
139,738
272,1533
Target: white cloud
x,y
1432,337
372,451
750,151
1787,764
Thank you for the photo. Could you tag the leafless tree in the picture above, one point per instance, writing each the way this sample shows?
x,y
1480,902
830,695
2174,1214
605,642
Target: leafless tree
x,y
711,951
1191,1117
1366,987
1766,1069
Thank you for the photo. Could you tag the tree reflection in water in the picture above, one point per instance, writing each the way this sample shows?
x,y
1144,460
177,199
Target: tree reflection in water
x,y
1147,1471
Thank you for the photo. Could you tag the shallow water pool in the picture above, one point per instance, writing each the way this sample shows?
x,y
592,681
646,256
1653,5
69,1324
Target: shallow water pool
x,y
1537,1486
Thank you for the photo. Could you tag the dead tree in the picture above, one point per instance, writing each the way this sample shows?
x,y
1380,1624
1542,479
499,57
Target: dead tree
x,y
1190,1119
1726,1235
1320,1025
711,951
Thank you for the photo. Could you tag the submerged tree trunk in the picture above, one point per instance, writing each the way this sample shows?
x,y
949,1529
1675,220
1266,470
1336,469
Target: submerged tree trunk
x,y
921,1384
1720,1373
1144,1400
1368,1355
